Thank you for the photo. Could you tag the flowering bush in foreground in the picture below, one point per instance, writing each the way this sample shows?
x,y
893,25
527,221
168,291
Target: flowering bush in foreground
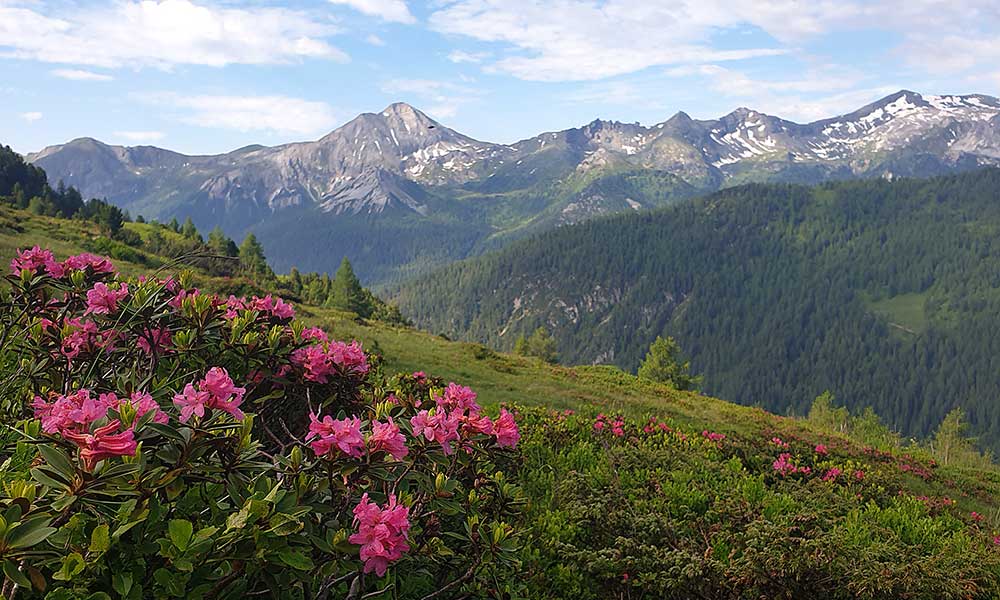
x,y
168,443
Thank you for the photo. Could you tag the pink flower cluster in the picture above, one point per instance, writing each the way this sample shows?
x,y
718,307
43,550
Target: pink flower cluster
x,y
457,413
319,361
216,390
81,336
71,416
314,333
103,443
617,426
103,300
713,436
785,467
437,426
386,437
331,434
271,305
35,260
777,441
653,425
821,450
832,474
381,533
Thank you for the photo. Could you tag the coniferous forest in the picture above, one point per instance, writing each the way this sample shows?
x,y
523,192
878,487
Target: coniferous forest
x,y
885,293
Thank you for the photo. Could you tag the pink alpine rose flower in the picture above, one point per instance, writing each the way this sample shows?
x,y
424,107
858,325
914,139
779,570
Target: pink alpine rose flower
x,y
144,403
80,262
103,443
315,333
191,403
154,341
350,358
386,437
314,362
506,430
340,434
461,398
103,300
381,533
31,260
439,427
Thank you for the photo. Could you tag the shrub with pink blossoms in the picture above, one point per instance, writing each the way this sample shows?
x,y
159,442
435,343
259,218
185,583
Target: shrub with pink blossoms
x,y
200,446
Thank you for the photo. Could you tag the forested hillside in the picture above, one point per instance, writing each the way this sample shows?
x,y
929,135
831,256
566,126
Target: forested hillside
x,y
885,293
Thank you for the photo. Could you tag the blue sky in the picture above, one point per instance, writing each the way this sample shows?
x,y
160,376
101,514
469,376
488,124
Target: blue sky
x,y
208,76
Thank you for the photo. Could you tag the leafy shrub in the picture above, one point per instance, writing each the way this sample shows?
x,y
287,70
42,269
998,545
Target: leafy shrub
x,y
169,443
654,509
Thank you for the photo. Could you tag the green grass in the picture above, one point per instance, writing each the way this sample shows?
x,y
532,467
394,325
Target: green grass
x,y
904,312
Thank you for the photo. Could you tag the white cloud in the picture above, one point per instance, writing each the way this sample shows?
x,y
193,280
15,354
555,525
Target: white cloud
x,y
140,136
164,33
275,114
31,117
572,40
458,57
374,40
443,98
583,39
389,10
81,75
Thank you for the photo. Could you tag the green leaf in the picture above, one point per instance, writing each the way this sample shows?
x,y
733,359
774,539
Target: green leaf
x,y
12,573
180,532
45,479
295,560
166,431
58,460
30,532
172,583
121,581
72,565
100,539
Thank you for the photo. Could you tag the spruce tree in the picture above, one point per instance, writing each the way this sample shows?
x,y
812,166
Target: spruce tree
x,y
663,364
345,290
189,231
252,258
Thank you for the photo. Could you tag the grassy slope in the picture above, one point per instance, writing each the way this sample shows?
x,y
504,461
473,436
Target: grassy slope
x,y
502,378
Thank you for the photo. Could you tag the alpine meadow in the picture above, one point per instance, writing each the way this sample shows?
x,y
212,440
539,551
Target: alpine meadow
x,y
613,300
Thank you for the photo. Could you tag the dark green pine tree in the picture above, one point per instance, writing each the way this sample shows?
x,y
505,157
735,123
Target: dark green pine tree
x,y
252,258
345,290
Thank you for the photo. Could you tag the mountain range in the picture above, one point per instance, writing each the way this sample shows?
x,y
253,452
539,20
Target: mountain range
x,y
399,193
